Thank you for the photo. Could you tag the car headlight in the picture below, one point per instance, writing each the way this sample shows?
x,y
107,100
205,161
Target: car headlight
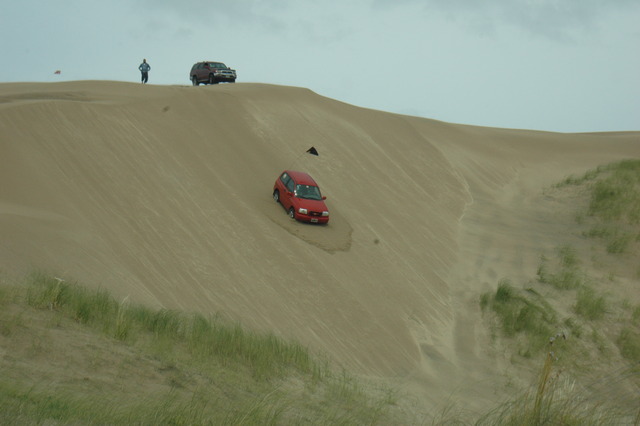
x,y
325,214
302,211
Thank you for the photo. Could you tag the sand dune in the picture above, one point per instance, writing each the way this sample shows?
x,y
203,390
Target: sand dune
x,y
163,195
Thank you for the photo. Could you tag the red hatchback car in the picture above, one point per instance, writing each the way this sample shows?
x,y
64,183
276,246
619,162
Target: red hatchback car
x,y
300,196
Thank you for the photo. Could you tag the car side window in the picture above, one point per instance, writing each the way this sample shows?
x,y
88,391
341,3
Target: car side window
x,y
288,182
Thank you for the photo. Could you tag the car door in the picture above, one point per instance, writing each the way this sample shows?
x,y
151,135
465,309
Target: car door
x,y
206,70
202,73
287,191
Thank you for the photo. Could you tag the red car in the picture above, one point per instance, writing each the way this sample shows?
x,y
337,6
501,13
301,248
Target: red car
x,y
300,196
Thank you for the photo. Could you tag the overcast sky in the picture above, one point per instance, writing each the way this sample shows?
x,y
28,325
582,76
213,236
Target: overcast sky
x,y
558,65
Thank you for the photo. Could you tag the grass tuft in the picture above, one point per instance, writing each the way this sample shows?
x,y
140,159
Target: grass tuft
x,y
590,305
629,343
553,401
565,273
615,206
522,312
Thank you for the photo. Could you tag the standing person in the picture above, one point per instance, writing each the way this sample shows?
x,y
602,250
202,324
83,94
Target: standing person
x,y
144,69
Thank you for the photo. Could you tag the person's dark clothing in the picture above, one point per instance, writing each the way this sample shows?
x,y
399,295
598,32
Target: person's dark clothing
x,y
144,70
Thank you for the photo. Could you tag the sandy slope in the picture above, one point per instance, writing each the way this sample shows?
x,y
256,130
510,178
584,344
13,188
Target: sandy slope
x,y
163,195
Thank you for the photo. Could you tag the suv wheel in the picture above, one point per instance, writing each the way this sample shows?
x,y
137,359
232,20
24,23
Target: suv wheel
x,y
292,213
194,81
212,79
276,196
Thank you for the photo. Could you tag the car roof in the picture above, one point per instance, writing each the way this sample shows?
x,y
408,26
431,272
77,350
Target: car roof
x,y
301,178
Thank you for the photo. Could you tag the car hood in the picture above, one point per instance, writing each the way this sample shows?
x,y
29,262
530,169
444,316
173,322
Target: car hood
x,y
315,205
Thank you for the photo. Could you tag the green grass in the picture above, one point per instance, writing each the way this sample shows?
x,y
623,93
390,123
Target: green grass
x,y
564,273
522,312
200,336
598,334
635,315
629,343
213,373
590,175
42,406
614,206
617,196
554,400
590,305
597,330
628,339
619,242
169,367
568,256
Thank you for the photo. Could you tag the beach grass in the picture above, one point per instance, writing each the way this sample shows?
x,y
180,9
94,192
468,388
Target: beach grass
x,y
138,365
613,211
204,383
555,399
599,325
563,272
590,304
522,312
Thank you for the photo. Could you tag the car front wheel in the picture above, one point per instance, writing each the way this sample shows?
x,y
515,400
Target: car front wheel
x,y
276,196
292,213
212,79
194,81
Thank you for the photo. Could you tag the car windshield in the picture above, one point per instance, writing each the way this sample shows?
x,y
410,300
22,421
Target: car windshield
x,y
218,65
309,192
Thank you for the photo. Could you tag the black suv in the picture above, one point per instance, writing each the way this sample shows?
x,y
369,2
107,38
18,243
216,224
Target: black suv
x,y
211,73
